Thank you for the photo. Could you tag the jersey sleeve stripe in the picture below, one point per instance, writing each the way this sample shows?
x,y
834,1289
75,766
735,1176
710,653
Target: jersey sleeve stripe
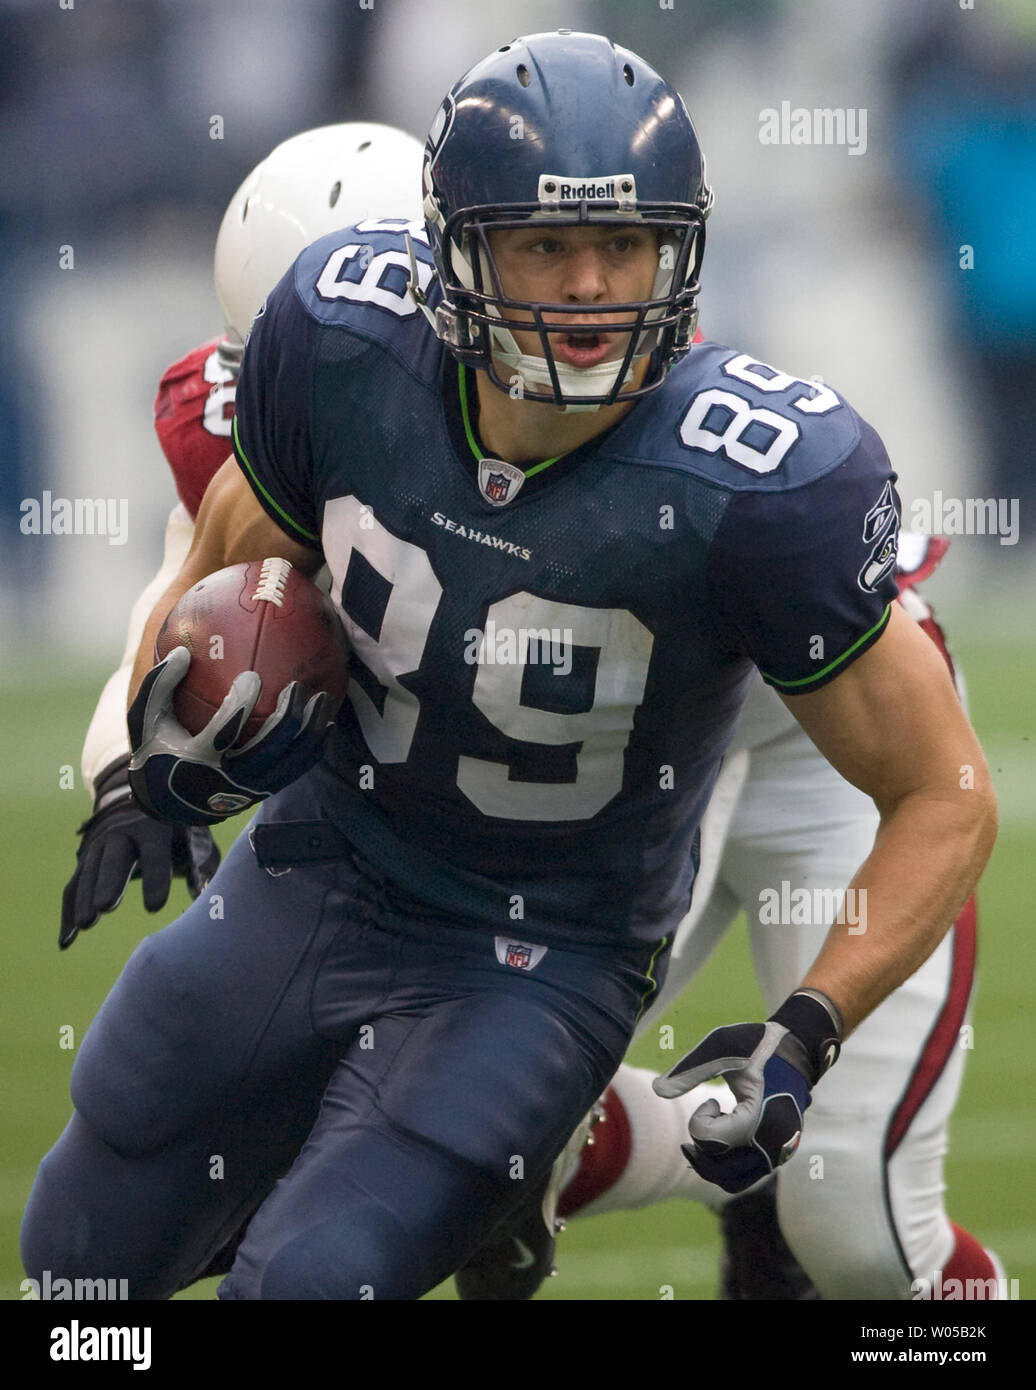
x,y
270,502
799,687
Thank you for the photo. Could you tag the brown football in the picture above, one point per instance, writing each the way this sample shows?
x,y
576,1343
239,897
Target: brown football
x,y
264,616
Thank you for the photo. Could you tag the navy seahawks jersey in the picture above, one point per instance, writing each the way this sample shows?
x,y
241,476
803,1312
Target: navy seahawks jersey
x,y
545,675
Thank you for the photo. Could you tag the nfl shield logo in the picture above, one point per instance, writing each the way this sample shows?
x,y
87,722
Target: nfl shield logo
x,y
499,482
518,955
497,487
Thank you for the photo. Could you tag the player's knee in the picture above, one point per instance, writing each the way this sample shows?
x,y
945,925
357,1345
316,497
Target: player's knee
x,y
98,1216
56,1234
844,1258
517,1112
927,1244
145,1069
368,1257
44,1234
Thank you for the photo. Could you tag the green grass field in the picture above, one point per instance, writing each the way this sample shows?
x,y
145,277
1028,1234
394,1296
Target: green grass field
x,y
625,1256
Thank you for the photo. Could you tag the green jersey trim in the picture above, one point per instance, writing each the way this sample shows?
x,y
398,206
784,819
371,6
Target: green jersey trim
x,y
462,387
800,685
270,501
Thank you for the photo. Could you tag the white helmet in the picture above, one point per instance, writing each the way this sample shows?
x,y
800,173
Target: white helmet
x,y
312,184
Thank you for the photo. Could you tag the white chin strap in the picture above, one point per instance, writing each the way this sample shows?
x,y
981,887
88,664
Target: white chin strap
x,y
597,380
574,381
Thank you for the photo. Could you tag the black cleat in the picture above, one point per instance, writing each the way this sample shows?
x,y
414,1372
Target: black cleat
x,y
519,1253
756,1263
516,1258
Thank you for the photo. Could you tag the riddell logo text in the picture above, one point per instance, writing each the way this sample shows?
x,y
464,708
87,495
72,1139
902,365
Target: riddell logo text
x,y
587,190
595,188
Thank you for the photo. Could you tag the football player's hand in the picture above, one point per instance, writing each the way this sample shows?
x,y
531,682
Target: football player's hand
x,y
201,779
119,842
770,1068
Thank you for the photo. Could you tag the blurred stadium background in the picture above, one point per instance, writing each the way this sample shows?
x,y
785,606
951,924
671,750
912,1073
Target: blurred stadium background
x,y
821,261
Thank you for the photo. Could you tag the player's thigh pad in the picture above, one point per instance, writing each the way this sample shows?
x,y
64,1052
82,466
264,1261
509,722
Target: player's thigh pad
x,y
494,1080
483,1059
466,1087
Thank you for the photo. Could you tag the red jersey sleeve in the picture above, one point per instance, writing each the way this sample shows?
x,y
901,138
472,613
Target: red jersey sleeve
x,y
194,411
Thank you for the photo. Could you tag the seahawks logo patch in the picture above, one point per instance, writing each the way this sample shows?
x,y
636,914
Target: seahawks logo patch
x,y
881,532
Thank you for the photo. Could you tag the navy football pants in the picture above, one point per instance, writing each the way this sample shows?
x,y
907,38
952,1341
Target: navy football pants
x,y
383,1089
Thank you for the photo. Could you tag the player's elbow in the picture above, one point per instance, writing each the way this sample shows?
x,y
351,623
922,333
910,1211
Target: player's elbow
x,y
981,832
987,823
959,818
975,796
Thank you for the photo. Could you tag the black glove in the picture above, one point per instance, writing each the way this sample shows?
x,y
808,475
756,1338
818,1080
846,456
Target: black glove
x,y
201,779
121,841
771,1068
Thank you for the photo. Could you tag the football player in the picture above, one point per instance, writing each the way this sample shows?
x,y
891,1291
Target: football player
x,y
430,952
309,185
299,192
877,1131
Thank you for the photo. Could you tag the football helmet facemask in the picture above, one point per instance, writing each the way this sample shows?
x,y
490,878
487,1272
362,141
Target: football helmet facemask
x,y
563,130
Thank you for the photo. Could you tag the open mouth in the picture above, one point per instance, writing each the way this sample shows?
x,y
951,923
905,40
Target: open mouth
x,y
581,349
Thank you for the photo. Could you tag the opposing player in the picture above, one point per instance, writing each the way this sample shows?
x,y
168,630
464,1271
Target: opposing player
x,y
435,944
783,827
308,186
863,1205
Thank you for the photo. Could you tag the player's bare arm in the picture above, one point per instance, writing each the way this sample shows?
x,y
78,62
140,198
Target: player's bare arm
x,y
893,726
232,527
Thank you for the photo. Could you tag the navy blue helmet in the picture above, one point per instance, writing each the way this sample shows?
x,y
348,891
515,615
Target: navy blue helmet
x,y
564,129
